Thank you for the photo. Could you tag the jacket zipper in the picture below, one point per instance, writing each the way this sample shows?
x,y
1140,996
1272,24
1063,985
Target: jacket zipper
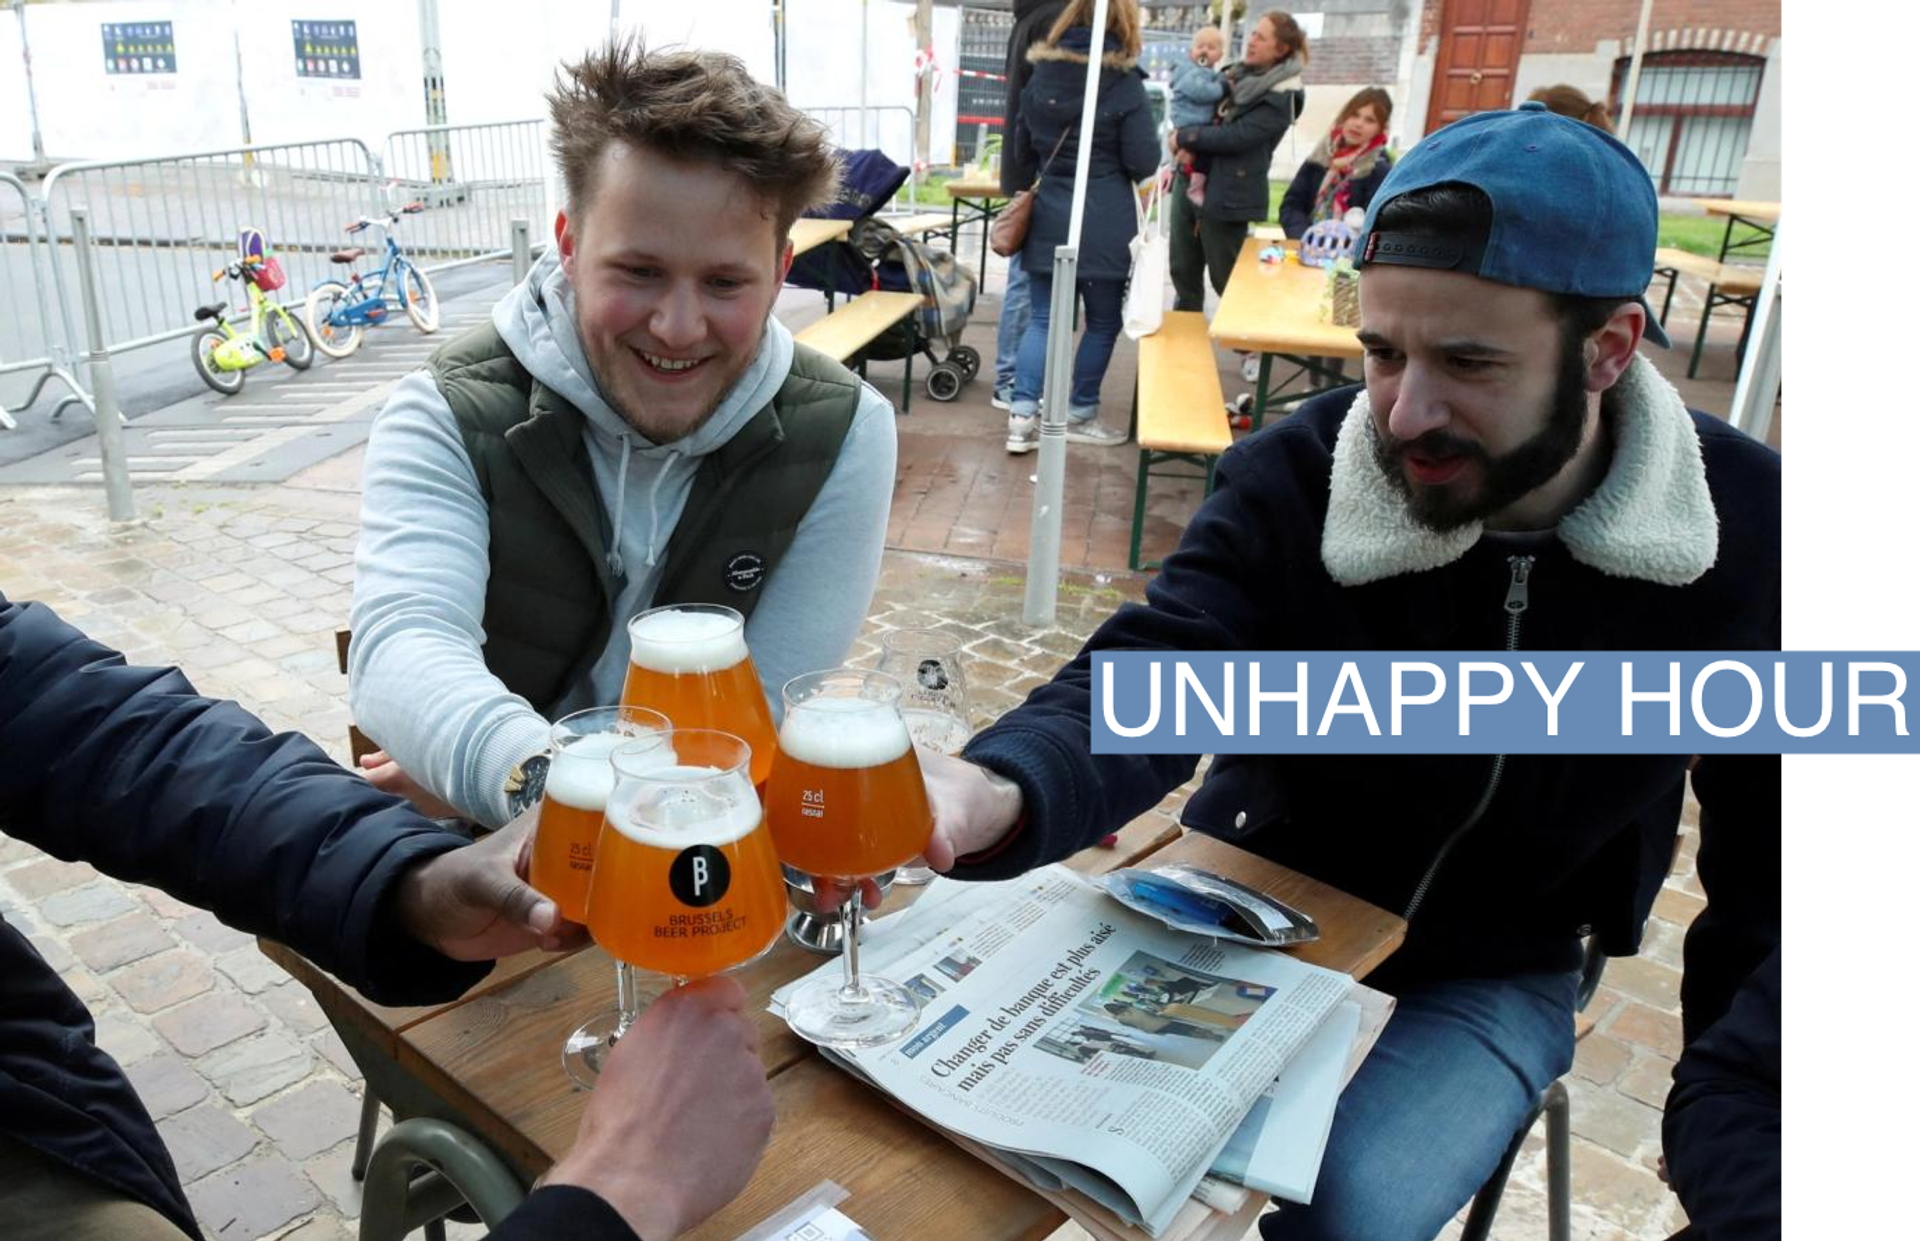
x,y
1521,569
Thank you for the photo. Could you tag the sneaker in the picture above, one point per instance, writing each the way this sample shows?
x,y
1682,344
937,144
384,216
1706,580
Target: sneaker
x,y
1250,367
1092,432
1002,398
1023,434
1240,412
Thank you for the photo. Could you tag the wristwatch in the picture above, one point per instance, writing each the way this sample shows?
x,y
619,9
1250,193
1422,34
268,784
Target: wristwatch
x,y
526,782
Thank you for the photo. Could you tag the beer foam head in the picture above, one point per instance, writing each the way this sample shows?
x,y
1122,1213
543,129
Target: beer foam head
x,y
672,641
844,732
581,774
678,807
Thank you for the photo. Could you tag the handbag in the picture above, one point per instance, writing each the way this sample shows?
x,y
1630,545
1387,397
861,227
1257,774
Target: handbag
x,y
1147,284
1009,232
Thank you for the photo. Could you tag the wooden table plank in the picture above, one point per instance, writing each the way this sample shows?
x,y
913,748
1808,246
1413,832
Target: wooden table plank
x,y
382,1023
1746,208
987,190
808,233
1275,308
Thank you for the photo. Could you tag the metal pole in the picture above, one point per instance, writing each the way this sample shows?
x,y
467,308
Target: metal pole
x,y
780,45
1043,567
435,84
1633,68
522,249
240,81
106,405
865,142
923,100
613,22
40,164
1759,385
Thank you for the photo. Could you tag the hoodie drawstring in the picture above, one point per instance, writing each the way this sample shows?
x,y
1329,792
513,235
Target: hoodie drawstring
x,y
615,567
653,507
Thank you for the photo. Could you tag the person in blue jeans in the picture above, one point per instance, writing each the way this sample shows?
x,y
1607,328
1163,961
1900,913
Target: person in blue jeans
x,y
1015,310
1044,147
1512,473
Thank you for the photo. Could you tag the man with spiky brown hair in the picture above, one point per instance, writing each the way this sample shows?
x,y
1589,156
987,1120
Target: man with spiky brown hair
x,y
633,428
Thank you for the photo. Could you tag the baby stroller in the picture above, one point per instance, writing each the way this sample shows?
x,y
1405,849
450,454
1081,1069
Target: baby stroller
x,y
875,256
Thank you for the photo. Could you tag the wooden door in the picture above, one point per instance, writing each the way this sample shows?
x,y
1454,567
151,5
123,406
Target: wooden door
x,y
1480,43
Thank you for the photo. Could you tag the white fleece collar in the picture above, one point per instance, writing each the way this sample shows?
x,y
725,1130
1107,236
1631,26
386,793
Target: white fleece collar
x,y
1651,518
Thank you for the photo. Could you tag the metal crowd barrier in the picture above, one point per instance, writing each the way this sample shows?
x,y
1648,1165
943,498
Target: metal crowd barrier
x,y
888,128
30,343
475,180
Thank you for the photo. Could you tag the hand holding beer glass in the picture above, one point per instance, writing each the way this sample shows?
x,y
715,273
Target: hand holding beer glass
x,y
846,802
685,880
579,777
690,662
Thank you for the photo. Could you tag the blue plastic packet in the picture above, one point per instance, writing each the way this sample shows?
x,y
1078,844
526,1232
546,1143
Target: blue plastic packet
x,y
1200,902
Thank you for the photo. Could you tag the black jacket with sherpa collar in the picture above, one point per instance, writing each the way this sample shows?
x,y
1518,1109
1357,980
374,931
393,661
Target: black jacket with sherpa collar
x,y
1305,545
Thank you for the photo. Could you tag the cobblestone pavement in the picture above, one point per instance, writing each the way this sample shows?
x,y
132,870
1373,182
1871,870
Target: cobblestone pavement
x,y
255,1095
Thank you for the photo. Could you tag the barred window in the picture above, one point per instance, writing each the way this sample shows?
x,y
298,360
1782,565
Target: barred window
x,y
1692,117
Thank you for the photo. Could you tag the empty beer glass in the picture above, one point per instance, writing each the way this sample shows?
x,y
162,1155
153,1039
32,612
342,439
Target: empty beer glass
x,y
933,699
690,663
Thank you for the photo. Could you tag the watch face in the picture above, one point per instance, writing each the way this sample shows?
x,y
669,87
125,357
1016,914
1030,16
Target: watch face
x,y
526,783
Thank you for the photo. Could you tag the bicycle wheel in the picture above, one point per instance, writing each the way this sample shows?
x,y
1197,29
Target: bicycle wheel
x,y
422,303
204,342
289,335
330,334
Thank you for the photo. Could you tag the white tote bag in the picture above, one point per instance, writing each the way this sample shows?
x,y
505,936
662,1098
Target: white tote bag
x,y
1147,287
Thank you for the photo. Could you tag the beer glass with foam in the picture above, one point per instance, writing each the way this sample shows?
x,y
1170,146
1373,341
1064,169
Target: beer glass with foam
x,y
846,801
685,879
579,777
690,663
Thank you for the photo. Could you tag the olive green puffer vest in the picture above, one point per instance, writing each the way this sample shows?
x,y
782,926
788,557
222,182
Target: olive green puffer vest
x,y
550,590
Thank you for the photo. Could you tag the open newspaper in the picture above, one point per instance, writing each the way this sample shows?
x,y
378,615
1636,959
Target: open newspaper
x,y
1086,1046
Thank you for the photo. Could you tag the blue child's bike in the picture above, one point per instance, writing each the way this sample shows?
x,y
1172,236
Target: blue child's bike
x,y
337,312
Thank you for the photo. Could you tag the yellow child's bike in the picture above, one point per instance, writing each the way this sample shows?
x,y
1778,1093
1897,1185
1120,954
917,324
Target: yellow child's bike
x,y
222,354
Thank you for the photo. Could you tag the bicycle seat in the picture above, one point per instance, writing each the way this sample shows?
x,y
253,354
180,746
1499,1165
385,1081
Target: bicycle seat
x,y
212,310
348,255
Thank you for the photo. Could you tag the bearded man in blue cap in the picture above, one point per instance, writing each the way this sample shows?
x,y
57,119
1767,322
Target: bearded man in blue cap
x,y
1512,474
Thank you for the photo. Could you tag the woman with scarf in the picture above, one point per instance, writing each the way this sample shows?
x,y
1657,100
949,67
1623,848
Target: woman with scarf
x,y
1345,169
1262,100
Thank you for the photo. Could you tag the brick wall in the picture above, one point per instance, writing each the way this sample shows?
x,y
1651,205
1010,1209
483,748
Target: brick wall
x,y
1571,26
1366,61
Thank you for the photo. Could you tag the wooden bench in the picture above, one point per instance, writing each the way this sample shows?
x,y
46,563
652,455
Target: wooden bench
x,y
1727,285
845,334
924,224
1179,413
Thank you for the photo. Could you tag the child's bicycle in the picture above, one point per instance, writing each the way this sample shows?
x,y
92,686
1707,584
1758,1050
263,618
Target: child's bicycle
x,y
338,312
223,354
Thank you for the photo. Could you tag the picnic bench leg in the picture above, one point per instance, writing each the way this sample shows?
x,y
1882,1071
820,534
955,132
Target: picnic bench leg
x,y
1559,1164
460,1169
1260,390
1139,511
1700,337
906,389
1673,278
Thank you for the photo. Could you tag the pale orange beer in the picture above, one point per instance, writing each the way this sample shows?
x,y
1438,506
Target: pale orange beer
x,y
846,797
685,881
579,778
690,663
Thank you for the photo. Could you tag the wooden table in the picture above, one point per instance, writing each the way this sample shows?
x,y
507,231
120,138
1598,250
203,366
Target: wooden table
x,y
808,233
982,200
1759,216
491,1063
1273,309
